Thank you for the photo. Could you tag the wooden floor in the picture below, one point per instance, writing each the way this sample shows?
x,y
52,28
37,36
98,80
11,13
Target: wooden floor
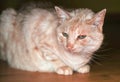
x,y
107,70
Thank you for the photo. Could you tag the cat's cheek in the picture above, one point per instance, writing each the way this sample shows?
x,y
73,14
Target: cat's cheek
x,y
61,40
79,45
83,42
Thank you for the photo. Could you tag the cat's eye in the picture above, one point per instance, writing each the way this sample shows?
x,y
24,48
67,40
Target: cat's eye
x,y
65,34
81,37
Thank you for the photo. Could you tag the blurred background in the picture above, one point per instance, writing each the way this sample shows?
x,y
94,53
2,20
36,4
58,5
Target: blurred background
x,y
112,20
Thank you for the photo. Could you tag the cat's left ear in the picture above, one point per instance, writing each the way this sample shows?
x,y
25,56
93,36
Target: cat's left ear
x,y
98,19
62,14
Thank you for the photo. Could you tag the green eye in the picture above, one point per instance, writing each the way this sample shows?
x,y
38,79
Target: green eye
x,y
65,34
81,37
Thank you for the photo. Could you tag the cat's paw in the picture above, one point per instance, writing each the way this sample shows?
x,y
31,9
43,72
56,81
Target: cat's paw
x,y
64,70
84,69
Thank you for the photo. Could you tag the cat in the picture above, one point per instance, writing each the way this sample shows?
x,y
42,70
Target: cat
x,y
50,40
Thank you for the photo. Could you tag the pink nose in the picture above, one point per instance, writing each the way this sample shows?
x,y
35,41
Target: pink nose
x,y
69,46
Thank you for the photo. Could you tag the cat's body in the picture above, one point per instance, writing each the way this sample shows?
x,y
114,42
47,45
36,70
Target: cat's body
x,y
49,41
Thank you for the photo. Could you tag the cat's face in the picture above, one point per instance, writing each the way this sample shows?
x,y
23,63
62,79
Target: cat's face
x,y
76,36
80,36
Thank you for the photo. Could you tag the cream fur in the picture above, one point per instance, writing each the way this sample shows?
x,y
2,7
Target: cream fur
x,y
33,40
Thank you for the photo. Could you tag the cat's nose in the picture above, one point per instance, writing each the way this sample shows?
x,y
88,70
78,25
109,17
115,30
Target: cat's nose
x,y
69,46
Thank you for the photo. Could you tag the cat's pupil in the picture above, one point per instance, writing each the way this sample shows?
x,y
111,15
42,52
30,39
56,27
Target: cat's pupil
x,y
65,34
81,36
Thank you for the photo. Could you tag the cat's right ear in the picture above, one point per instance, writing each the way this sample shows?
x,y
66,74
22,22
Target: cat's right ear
x,y
62,14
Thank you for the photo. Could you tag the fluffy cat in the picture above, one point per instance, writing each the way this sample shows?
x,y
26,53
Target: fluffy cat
x,y
48,40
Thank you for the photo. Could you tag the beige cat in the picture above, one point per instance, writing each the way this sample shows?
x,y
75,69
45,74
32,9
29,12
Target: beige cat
x,y
50,41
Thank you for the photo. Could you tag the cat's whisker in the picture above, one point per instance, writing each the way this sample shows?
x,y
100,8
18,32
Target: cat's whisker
x,y
96,62
100,56
103,47
104,50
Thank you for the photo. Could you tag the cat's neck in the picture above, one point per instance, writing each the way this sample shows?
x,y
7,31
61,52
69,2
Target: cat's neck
x,y
75,60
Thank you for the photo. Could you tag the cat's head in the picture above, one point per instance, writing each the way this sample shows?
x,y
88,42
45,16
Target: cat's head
x,y
80,30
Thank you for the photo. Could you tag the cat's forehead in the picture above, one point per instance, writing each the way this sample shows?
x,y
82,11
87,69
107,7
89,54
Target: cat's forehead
x,y
83,14
78,25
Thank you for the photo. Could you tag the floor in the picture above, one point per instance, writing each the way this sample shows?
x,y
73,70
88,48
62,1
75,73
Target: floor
x,y
107,70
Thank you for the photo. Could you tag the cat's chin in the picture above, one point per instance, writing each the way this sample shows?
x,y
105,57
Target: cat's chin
x,y
73,52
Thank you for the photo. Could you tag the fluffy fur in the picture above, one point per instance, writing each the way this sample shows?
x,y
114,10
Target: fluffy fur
x,y
50,41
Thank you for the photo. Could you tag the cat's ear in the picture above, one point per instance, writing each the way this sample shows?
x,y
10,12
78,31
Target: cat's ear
x,y
62,14
98,19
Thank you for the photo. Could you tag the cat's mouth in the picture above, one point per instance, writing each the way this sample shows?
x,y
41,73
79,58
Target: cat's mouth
x,y
73,52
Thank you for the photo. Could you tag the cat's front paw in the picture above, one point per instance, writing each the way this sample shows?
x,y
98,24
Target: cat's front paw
x,y
84,69
64,70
